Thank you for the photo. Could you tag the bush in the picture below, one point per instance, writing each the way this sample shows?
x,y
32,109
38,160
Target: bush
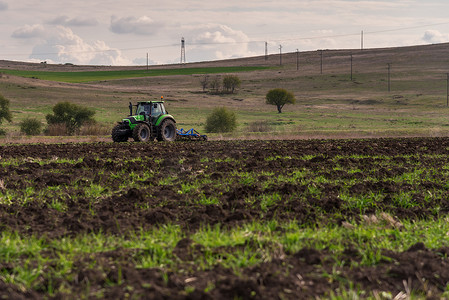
x,y
31,126
5,113
221,120
71,115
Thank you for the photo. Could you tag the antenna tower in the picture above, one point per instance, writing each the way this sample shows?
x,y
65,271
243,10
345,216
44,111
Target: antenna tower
x,y
183,51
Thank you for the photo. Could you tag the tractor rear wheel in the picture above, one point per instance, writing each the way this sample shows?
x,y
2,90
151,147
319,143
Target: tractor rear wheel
x,y
142,133
117,133
167,131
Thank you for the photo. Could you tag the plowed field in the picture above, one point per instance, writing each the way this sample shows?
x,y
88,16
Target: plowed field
x,y
386,201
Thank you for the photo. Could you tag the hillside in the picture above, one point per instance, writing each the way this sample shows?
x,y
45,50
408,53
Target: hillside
x,y
329,103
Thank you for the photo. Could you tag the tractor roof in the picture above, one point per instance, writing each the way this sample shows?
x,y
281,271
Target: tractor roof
x,y
147,102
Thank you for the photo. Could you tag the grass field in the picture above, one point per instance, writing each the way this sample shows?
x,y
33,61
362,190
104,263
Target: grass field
x,y
328,104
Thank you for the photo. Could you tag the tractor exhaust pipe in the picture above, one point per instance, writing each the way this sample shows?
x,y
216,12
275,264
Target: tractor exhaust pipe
x,y
130,109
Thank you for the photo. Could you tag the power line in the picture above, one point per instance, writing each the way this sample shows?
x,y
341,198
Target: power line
x,y
358,33
233,42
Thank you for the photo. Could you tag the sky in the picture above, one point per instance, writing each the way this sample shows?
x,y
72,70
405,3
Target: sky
x,y
137,32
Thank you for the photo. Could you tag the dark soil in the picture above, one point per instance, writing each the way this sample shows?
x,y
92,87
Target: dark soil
x,y
134,197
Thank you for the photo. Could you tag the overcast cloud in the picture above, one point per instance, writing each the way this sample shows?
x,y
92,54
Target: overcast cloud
x,y
77,21
124,32
29,32
142,25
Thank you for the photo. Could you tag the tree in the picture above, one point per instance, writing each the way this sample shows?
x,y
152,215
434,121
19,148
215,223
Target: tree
x,y
71,115
215,84
31,126
230,83
204,82
279,97
5,114
221,120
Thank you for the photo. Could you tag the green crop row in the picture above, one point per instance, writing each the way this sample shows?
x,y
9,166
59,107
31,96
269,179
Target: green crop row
x,y
30,259
89,76
429,183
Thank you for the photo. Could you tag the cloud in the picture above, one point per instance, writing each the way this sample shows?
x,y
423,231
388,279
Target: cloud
x,y
215,41
434,37
29,31
216,34
79,21
142,61
3,5
62,45
142,26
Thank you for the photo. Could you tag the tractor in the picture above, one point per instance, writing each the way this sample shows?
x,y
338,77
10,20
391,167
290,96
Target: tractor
x,y
150,121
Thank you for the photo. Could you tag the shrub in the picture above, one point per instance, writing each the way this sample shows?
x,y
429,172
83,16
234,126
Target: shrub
x,y
5,114
71,115
221,120
31,126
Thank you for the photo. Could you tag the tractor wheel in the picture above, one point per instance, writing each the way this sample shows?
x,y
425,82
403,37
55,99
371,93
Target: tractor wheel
x,y
117,133
142,133
167,131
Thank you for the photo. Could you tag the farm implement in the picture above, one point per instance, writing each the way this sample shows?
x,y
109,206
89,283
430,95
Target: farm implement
x,y
151,121
190,135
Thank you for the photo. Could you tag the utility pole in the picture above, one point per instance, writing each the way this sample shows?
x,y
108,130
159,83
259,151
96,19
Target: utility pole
x,y
183,51
280,55
297,59
389,71
148,58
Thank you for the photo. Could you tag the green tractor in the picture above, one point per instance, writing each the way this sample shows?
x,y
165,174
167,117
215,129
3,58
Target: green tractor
x,y
150,121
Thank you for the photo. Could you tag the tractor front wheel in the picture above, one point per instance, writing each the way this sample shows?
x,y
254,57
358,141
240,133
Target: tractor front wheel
x,y
118,135
167,131
142,133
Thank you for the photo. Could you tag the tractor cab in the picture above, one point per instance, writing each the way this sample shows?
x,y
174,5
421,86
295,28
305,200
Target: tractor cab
x,y
150,110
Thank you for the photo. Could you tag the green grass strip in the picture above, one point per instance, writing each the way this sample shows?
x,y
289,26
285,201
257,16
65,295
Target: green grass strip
x,y
89,76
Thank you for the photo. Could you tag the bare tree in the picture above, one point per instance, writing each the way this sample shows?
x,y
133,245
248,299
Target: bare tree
x,y
204,82
215,84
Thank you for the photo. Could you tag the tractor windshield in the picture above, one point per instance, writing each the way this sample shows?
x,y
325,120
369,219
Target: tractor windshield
x,y
153,109
143,107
